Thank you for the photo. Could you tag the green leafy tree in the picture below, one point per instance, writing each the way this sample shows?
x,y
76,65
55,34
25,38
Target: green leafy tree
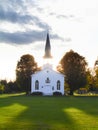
x,y
74,67
1,88
25,67
90,80
96,77
3,84
12,87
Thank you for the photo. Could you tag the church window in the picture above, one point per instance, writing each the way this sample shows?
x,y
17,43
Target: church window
x,y
47,80
52,87
36,85
58,85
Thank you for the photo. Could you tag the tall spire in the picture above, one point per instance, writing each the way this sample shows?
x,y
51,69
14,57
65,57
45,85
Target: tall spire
x,y
47,48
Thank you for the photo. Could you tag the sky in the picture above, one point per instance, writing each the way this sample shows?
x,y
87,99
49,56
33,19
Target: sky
x,y
72,25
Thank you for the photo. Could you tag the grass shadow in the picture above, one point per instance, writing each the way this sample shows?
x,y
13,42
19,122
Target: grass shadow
x,y
48,113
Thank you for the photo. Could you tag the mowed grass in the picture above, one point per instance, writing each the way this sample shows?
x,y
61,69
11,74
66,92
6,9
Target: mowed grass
x,y
20,112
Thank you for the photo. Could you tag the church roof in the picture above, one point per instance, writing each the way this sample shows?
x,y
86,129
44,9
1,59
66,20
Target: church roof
x,y
47,71
47,48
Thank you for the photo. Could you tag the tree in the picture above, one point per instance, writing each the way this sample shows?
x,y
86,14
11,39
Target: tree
x,y
96,77
74,67
91,80
12,87
4,84
25,67
1,88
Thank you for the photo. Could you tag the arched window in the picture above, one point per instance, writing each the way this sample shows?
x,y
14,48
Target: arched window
x,y
36,85
58,85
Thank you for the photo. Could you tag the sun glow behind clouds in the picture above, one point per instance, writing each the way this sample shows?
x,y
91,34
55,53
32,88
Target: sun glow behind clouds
x,y
8,58
10,55
75,21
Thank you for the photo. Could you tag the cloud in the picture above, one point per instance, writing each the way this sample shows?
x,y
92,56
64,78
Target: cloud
x,y
20,38
65,16
15,17
17,5
62,16
16,12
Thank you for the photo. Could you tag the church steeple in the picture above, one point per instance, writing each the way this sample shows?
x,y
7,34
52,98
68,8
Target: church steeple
x,y
47,48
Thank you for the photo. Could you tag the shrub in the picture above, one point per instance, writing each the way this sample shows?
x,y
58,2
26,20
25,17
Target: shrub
x,y
37,94
57,94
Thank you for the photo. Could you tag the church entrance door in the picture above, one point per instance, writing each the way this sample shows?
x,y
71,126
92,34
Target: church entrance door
x,y
47,90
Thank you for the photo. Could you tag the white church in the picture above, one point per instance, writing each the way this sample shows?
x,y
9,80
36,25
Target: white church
x,y
47,80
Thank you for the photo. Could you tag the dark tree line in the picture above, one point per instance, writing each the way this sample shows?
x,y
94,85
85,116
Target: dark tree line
x,y
8,87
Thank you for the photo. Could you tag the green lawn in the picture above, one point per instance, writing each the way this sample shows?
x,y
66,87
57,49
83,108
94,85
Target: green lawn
x,y
20,112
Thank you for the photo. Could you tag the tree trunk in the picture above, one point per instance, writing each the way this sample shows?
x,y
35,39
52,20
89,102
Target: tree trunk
x,y
71,92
